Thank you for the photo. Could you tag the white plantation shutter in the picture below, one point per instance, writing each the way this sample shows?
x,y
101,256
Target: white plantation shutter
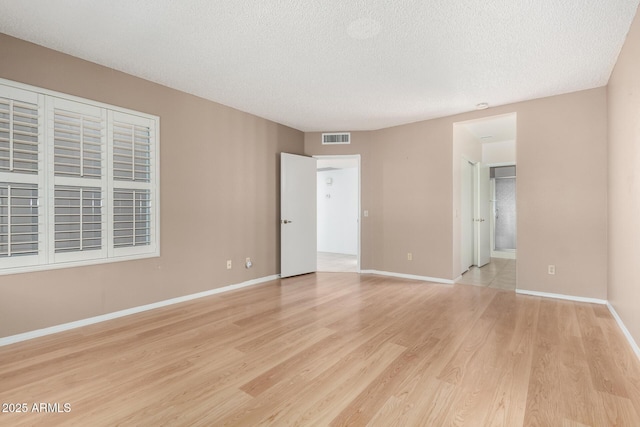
x,y
19,217
78,219
134,207
78,181
131,217
18,136
78,144
131,152
21,183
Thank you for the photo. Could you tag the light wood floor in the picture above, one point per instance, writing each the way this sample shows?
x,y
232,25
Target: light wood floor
x,y
335,349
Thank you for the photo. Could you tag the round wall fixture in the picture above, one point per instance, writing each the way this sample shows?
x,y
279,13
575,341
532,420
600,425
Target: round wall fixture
x,y
363,28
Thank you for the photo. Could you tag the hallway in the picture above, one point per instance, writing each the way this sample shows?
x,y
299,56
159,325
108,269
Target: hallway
x,y
337,263
500,273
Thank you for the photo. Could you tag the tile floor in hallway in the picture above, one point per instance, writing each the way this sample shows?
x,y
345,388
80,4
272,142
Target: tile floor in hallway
x,y
500,273
338,263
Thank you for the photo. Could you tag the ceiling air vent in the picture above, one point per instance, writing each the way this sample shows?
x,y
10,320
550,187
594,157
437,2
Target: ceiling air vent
x,y
336,138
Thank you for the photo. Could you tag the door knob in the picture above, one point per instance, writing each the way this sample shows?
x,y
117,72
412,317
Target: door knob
x,y
286,221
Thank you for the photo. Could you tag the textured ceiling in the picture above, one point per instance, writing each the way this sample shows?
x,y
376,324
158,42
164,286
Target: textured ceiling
x,y
335,64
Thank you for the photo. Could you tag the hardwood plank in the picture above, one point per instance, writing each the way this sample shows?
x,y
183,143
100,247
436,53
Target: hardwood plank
x,y
508,403
365,405
543,395
605,375
618,411
623,357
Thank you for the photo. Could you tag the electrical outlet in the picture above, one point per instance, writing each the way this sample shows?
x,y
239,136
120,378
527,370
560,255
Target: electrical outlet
x,y
248,263
551,269
409,256
228,264
366,213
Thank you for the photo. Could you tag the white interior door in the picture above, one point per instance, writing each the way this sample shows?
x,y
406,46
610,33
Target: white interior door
x,y
298,238
482,216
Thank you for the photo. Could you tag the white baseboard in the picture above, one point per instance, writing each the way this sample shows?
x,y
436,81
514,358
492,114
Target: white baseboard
x,y
409,276
561,296
104,317
625,331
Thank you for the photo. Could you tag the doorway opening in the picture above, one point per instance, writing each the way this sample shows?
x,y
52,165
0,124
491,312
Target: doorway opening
x,y
338,206
503,218
482,190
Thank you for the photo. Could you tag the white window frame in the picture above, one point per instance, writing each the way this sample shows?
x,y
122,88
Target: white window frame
x,y
46,180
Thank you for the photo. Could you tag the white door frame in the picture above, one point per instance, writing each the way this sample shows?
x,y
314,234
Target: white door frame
x,y
482,212
359,174
467,235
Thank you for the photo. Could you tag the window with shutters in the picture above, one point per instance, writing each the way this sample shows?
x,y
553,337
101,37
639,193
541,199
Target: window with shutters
x,y
78,181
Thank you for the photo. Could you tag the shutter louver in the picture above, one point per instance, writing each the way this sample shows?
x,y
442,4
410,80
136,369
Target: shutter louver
x,y
18,219
77,145
131,217
78,219
131,152
18,136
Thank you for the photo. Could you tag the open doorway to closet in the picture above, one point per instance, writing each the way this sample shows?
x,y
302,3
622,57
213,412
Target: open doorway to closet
x,y
338,208
484,162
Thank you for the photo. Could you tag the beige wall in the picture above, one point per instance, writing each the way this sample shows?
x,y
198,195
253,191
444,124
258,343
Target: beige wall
x,y
412,191
219,197
624,183
562,194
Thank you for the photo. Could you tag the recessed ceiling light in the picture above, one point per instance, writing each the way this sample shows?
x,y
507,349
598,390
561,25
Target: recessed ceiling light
x,y
482,106
363,28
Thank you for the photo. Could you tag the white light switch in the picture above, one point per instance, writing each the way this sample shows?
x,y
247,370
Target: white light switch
x,y
366,213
